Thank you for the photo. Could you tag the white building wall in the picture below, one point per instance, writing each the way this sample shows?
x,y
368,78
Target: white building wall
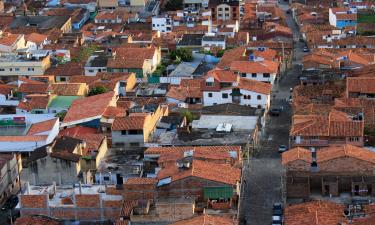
x,y
332,18
217,97
259,77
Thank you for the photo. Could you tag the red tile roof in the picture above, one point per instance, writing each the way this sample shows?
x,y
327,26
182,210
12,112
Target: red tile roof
x,y
112,112
336,124
255,86
223,75
37,220
9,39
35,101
5,89
32,138
265,66
334,152
361,84
30,88
69,89
188,88
129,123
84,107
222,173
296,154
42,126
36,38
207,220
130,57
141,180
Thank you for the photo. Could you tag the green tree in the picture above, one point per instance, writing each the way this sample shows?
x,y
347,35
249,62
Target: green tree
x,y
189,116
184,54
97,90
220,53
61,115
173,5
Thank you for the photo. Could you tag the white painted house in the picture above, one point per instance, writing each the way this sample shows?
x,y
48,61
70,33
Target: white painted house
x,y
163,24
218,41
257,69
223,86
36,131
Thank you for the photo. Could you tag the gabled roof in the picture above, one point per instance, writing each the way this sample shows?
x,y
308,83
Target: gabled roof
x,y
255,86
296,154
36,38
40,127
5,89
336,124
188,88
223,75
361,84
69,89
130,57
35,101
93,106
129,123
333,152
207,220
30,88
265,66
222,173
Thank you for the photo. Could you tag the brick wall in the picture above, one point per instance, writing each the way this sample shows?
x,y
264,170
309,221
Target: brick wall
x,y
139,191
34,201
88,201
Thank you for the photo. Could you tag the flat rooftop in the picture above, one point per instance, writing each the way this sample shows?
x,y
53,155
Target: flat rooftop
x,y
62,101
66,191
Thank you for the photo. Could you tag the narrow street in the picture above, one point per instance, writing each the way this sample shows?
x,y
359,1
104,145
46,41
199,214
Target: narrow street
x,y
263,184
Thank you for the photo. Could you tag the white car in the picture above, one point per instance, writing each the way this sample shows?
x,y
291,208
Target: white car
x,y
282,148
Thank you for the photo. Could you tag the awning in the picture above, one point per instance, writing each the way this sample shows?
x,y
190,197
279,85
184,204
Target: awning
x,y
224,192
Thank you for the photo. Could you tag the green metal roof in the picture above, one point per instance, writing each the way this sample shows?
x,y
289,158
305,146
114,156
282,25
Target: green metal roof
x,y
62,101
217,192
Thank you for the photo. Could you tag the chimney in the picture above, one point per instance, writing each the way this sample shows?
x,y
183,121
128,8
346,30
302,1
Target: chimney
x,y
27,188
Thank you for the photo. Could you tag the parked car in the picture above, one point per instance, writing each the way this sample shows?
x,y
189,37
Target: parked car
x,y
275,111
306,49
277,220
10,203
277,209
282,148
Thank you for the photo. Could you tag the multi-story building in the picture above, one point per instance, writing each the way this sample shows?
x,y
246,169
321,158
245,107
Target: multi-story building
x,y
330,171
9,176
33,63
224,9
163,24
343,17
323,130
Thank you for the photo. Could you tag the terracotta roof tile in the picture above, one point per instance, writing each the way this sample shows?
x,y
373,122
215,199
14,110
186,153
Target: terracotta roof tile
x,y
223,75
129,123
69,89
333,152
5,89
255,86
296,154
30,88
205,170
207,220
36,38
265,66
30,138
84,107
141,180
42,126
35,101
9,39
361,84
